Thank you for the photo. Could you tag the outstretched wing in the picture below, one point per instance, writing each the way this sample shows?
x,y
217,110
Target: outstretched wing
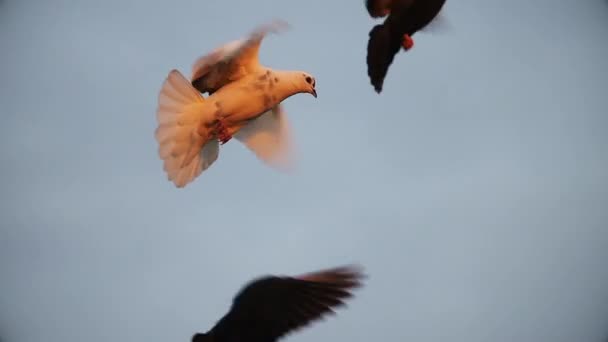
x,y
381,50
269,137
231,61
271,307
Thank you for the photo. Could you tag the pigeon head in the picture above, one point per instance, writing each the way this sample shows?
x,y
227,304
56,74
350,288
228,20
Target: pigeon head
x,y
291,82
308,84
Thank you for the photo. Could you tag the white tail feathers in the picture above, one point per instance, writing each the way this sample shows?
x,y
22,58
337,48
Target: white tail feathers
x,y
185,152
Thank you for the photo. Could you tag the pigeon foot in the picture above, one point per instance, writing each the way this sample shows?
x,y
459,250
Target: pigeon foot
x,y
222,132
408,42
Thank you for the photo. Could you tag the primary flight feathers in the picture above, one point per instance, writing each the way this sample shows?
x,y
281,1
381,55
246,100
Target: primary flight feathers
x,y
271,307
244,102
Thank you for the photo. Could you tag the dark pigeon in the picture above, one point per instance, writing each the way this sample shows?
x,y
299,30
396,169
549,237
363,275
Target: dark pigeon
x,y
405,18
271,307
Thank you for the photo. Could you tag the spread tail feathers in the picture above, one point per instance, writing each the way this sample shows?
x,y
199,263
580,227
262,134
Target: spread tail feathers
x,y
185,152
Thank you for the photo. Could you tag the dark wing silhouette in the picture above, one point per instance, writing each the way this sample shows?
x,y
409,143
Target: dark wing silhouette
x,y
271,307
382,47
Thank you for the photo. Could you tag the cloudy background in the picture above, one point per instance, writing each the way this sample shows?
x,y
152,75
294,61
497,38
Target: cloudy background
x,y
474,190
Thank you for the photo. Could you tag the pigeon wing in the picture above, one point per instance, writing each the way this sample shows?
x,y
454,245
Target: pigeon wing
x,y
231,61
271,307
269,137
381,50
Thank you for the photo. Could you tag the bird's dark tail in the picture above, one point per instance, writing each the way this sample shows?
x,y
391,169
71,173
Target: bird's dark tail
x,y
200,337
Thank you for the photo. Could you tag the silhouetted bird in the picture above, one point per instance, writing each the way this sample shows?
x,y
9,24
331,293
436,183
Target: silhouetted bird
x,y
405,17
273,306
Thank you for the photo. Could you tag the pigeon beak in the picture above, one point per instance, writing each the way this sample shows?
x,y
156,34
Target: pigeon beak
x,y
314,93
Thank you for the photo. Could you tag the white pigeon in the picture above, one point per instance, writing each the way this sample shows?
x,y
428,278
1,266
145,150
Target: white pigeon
x,y
244,101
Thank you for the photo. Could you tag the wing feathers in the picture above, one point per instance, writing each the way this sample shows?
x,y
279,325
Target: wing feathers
x,y
231,61
381,50
269,137
271,307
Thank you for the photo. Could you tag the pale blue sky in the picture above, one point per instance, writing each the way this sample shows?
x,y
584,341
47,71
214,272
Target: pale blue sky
x,y
474,190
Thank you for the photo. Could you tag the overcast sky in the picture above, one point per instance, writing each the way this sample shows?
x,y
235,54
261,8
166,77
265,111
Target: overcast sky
x,y
474,190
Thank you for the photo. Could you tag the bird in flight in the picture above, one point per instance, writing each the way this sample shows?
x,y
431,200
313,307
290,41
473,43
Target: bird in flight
x,y
244,102
404,19
270,307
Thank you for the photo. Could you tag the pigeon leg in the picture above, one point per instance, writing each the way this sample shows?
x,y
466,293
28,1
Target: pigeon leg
x,y
408,42
222,132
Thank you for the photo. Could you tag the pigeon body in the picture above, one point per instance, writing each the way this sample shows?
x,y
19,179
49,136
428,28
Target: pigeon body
x,y
270,307
405,18
244,101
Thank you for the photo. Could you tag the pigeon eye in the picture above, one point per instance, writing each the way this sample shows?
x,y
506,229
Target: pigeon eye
x,y
308,79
